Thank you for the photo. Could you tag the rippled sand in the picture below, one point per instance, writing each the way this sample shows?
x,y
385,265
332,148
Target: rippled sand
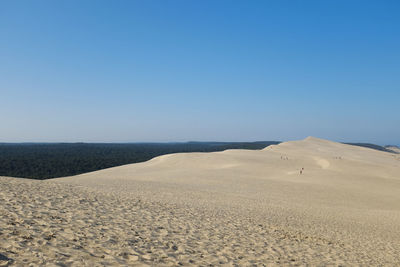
x,y
233,208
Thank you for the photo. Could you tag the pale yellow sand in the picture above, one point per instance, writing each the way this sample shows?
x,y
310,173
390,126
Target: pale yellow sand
x,y
233,208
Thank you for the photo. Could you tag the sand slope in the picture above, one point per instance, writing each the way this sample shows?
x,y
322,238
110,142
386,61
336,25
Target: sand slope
x,y
394,149
237,207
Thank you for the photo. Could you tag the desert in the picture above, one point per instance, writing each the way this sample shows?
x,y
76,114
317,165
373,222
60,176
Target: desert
x,y
311,202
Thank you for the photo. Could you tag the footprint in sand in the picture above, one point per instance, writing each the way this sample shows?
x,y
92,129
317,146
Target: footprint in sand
x,y
323,163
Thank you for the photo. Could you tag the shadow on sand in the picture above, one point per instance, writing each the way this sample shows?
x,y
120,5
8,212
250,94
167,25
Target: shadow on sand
x,y
5,261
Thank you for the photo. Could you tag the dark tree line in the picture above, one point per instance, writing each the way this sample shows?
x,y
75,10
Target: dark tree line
x,y
44,161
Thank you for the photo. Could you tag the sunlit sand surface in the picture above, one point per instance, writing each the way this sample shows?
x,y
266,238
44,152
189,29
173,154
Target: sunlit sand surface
x,y
232,208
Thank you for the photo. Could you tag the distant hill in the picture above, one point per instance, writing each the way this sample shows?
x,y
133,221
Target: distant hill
x,y
393,148
49,160
373,146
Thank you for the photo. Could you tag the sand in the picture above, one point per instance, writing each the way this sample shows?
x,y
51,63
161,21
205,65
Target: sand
x,y
231,208
394,149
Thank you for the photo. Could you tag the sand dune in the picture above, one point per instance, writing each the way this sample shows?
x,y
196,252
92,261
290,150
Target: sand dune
x,y
394,149
233,208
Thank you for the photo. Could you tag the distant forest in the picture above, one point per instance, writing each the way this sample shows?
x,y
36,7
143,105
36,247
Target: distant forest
x,y
45,160
376,147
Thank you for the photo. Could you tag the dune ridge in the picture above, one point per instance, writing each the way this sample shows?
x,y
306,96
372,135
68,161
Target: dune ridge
x,y
307,202
394,149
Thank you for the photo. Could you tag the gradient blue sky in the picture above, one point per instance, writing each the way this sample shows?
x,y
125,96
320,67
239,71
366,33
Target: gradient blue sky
x,y
132,71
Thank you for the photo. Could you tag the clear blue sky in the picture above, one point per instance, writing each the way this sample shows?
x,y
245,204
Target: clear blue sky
x,y
132,71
